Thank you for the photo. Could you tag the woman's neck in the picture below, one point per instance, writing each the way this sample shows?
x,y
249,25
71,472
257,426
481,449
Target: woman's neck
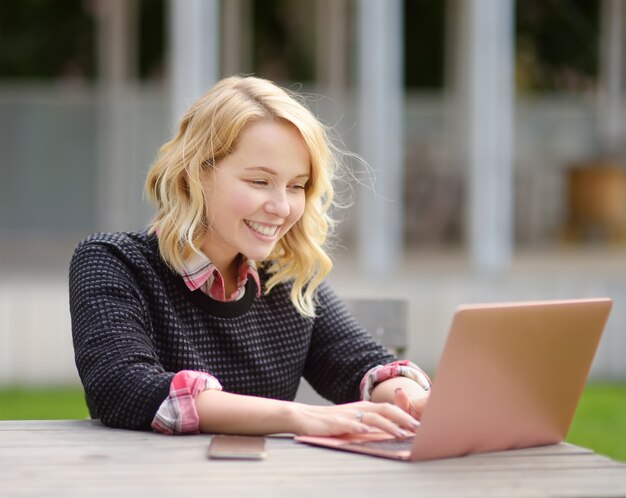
x,y
230,274
227,266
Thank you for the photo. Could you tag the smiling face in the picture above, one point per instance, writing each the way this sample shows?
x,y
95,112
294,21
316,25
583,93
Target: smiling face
x,y
255,194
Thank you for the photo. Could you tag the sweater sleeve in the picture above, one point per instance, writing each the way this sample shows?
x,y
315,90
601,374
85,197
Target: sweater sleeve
x,y
123,379
341,351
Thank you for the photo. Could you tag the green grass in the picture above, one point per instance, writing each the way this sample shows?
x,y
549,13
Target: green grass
x,y
599,424
42,403
600,420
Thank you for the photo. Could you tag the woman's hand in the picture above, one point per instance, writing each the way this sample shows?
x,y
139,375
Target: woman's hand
x,y
414,405
403,393
221,412
358,417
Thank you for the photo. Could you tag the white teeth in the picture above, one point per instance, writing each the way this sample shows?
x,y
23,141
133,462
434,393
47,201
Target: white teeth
x,y
268,231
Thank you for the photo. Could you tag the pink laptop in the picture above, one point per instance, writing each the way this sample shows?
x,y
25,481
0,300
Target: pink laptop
x,y
510,376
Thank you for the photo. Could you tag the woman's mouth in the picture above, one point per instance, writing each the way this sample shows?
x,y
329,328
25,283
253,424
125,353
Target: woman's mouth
x,y
265,230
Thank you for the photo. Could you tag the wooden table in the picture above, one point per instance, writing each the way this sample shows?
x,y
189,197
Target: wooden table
x,y
82,458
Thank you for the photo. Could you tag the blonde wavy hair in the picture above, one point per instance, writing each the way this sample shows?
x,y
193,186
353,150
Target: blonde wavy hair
x,y
209,131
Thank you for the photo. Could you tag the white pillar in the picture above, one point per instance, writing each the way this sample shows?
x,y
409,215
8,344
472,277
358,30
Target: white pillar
x,y
331,61
612,75
487,96
116,203
194,50
237,37
380,96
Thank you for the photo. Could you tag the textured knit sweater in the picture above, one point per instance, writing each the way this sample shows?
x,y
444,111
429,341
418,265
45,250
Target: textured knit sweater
x,y
135,324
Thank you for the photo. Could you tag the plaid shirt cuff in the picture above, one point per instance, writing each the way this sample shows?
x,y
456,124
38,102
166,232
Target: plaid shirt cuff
x,y
381,373
178,414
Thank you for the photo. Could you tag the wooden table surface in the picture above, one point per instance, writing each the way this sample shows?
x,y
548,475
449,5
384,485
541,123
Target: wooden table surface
x,y
82,458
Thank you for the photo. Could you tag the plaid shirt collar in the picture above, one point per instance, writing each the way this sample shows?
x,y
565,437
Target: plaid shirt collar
x,y
201,273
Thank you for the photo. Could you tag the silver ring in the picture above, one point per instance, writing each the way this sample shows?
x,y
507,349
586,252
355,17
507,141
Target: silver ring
x,y
359,416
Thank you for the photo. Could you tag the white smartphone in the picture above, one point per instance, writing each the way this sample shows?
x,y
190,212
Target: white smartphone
x,y
237,447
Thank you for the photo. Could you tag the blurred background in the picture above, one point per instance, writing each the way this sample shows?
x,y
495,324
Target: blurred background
x,y
494,131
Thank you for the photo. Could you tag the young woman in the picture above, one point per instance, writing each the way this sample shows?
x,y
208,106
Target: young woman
x,y
207,320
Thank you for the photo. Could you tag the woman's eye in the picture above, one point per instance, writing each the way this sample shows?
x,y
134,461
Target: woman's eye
x,y
259,183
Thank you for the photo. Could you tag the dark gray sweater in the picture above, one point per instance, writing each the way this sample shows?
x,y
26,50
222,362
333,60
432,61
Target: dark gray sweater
x,y
135,324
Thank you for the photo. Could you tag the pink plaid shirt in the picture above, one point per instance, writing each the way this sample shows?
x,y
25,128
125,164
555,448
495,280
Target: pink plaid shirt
x,y
201,273
178,414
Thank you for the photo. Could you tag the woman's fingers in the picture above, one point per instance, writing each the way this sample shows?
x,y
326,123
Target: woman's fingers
x,y
359,417
414,406
401,400
398,415
389,418
380,422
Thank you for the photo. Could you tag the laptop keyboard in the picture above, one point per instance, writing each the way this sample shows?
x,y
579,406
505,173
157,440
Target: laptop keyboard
x,y
387,444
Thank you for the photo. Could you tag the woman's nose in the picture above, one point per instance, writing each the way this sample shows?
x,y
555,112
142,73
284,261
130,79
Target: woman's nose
x,y
278,204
